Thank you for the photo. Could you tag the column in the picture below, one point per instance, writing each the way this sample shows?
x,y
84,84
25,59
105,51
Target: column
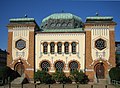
x,y
41,49
70,48
55,48
77,47
52,66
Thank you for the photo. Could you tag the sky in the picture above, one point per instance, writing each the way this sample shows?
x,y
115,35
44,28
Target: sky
x,y
40,9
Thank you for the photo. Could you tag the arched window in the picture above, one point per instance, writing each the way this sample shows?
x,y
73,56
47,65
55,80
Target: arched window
x,y
45,65
66,48
45,47
59,48
59,66
73,66
73,47
52,48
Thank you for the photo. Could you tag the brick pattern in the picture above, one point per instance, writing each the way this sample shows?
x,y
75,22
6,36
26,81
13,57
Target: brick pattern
x,y
88,49
29,64
112,48
9,55
31,54
88,57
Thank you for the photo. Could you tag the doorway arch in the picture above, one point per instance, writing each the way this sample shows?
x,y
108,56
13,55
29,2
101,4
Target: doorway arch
x,y
19,67
100,71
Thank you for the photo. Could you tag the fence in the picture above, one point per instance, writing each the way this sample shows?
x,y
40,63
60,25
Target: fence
x,y
116,83
56,86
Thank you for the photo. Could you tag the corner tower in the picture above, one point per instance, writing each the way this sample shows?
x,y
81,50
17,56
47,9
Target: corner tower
x,y
100,46
21,45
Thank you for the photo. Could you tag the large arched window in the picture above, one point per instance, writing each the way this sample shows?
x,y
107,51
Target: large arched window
x,y
59,48
52,48
45,65
73,44
45,47
73,66
59,66
66,48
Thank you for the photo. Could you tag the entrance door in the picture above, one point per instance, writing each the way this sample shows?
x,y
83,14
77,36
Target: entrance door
x,y
100,71
19,68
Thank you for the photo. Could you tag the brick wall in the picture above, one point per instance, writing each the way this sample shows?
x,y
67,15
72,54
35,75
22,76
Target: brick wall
x,y
88,58
9,49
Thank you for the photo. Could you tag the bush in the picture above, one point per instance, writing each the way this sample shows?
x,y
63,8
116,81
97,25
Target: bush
x,y
59,77
6,73
114,73
79,77
43,77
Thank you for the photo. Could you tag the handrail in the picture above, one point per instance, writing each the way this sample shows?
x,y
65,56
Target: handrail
x,y
114,82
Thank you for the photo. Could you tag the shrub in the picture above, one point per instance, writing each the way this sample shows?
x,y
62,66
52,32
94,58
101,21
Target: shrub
x,y
114,73
43,77
6,73
79,77
59,77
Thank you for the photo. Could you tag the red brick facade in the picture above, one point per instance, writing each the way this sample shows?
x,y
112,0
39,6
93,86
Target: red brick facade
x,y
88,59
28,64
90,65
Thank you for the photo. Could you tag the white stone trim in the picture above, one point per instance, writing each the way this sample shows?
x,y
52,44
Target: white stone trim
x,y
12,30
60,34
89,69
30,69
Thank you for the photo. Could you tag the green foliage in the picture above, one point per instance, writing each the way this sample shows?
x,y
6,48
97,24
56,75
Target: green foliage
x,y
59,77
79,77
114,73
7,74
117,60
43,77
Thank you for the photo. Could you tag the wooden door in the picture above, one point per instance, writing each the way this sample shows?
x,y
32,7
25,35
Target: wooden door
x,y
20,68
100,71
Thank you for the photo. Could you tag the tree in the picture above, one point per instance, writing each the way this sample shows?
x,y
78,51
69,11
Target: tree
x,y
114,73
7,73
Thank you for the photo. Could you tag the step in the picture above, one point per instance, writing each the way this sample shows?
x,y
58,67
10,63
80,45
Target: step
x,y
18,80
102,81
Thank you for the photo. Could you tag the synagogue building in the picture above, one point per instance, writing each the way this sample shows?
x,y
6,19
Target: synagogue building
x,y
64,43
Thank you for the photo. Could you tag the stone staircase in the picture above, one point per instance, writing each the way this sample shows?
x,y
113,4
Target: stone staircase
x,y
19,80
102,81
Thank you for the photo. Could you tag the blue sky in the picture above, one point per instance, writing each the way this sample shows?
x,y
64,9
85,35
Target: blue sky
x,y
39,9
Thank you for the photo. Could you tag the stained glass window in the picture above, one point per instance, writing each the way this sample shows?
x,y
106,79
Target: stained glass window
x,y
73,66
59,48
73,47
45,65
59,66
66,48
45,47
100,44
52,48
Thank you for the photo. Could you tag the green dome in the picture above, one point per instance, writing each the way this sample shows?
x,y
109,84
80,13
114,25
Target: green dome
x,y
62,16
